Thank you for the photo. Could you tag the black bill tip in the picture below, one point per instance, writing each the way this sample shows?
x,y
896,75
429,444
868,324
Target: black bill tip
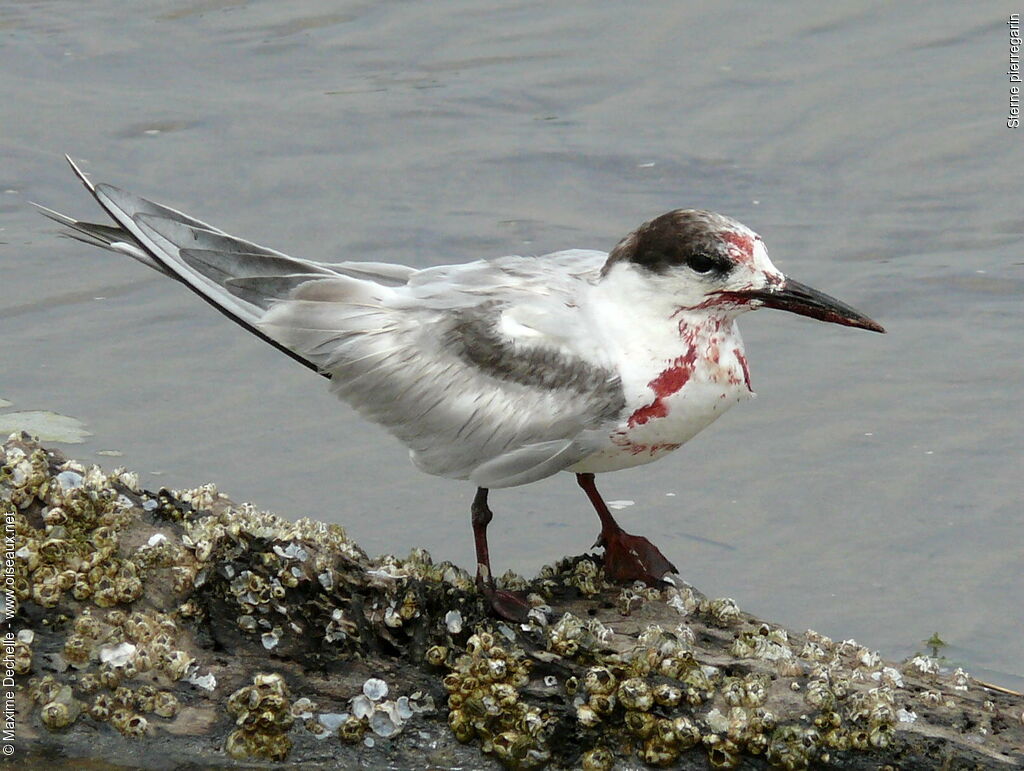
x,y
801,299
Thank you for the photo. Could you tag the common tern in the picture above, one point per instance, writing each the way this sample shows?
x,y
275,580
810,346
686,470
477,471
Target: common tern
x,y
502,371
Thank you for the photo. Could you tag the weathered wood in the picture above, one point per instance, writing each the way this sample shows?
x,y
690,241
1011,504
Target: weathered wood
x,y
173,629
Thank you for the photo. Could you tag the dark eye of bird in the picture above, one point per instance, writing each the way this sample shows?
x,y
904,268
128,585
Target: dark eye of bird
x,y
701,263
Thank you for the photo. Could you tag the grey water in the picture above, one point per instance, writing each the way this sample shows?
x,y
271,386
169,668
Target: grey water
x,y
872,490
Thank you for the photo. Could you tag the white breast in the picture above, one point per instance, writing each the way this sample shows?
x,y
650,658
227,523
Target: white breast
x,y
685,373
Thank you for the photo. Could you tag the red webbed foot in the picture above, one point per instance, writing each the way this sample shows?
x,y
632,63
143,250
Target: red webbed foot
x,y
630,558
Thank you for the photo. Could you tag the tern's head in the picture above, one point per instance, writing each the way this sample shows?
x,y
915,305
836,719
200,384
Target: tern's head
x,y
702,260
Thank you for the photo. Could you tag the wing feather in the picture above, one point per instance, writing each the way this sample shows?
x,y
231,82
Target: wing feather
x,y
483,370
444,383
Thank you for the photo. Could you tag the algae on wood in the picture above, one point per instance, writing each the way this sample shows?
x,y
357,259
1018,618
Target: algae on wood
x,y
178,628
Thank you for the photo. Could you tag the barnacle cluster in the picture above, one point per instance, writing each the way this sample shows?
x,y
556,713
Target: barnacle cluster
x,y
573,637
121,706
663,700
596,683
290,585
68,522
257,566
586,576
657,694
660,700
263,714
485,703
71,549
59,708
766,643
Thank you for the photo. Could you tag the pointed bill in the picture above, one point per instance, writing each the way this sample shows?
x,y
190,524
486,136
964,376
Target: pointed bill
x,y
799,298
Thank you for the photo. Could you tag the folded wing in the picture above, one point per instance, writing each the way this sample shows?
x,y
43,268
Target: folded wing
x,y
477,368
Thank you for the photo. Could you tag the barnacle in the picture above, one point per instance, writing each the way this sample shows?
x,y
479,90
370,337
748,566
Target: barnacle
x,y
667,695
738,724
813,651
827,719
110,677
587,716
881,735
22,653
130,724
722,611
635,694
165,704
61,710
860,740
176,663
836,739
56,715
87,625
658,753
755,689
597,759
567,635
461,725
144,698
436,655
44,689
819,695
961,680
599,680
757,744
792,747
722,753
77,649
124,696
262,712
484,702
102,707
628,601
602,703
767,643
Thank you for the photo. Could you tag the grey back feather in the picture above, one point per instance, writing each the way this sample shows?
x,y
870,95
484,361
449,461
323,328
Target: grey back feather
x,y
468,400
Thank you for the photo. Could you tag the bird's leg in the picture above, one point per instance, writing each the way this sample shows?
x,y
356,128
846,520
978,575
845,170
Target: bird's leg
x,y
626,557
506,604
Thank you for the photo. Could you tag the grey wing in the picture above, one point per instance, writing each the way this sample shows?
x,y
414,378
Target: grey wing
x,y
420,352
470,401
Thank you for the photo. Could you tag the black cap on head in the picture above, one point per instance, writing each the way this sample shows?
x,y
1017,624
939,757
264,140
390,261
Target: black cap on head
x,y
691,237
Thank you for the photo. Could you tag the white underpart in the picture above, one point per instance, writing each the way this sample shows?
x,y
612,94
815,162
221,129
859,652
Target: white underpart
x,y
646,334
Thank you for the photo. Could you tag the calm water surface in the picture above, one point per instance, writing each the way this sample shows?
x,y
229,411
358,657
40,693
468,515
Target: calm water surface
x,y
873,490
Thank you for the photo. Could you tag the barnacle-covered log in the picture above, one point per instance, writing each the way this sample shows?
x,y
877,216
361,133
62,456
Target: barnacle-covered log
x,y
171,628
